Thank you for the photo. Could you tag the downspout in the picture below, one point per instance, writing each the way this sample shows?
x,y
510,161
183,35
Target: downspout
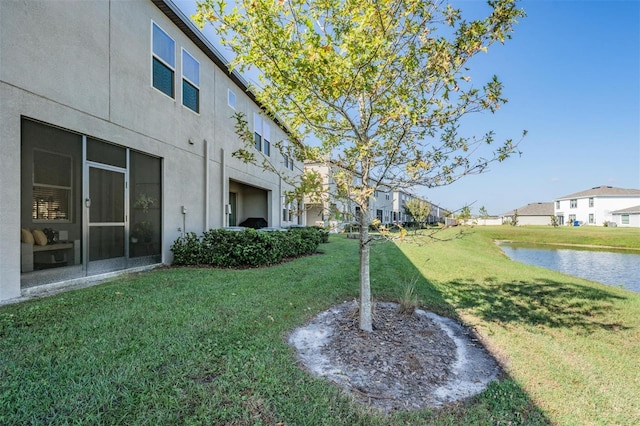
x,y
281,203
207,185
223,182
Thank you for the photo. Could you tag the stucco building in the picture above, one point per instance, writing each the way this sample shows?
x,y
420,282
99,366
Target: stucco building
x,y
629,217
386,205
531,214
598,206
117,133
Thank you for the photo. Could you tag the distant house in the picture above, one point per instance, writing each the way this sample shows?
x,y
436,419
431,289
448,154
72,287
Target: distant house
x,y
531,214
627,217
387,204
597,206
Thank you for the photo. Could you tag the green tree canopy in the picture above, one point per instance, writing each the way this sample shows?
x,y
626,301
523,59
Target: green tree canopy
x,y
418,209
380,85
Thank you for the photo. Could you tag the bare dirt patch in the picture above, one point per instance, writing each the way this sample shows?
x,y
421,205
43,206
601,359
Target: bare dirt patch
x,y
409,362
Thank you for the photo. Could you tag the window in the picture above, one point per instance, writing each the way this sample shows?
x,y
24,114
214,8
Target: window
x,y
573,203
625,219
261,134
592,218
231,99
257,131
591,202
190,82
557,204
163,61
286,161
266,133
52,181
572,218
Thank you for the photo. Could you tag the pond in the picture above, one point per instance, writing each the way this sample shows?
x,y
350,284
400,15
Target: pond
x,y
615,268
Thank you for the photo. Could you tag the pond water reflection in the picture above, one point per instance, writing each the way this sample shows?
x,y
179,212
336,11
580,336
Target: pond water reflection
x,y
612,268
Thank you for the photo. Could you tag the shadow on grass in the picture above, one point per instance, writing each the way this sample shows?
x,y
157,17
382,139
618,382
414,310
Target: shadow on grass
x,y
503,402
540,302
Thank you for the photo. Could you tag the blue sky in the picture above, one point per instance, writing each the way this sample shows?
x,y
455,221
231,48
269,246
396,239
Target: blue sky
x,y
572,76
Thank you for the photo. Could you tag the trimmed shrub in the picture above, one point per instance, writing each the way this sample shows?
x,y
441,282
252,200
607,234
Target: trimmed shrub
x,y
324,234
187,250
247,248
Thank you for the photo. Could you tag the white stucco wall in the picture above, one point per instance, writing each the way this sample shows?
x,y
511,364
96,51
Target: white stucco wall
x,y
634,220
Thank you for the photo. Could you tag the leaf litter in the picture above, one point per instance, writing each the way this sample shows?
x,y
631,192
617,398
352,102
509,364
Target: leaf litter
x,y
409,361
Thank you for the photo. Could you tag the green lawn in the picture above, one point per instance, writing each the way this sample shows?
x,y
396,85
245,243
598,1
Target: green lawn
x,y
206,346
627,238
572,344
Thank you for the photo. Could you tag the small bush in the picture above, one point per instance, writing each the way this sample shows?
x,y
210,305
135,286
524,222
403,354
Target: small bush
x,y
248,248
187,250
324,234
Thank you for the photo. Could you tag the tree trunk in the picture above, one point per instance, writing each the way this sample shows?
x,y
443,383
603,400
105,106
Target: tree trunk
x,y
366,322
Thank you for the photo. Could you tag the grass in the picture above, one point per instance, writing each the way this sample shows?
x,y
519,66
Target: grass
x,y
206,346
624,238
572,344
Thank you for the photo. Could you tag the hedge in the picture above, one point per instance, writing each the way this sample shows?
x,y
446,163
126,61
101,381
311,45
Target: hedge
x,y
247,248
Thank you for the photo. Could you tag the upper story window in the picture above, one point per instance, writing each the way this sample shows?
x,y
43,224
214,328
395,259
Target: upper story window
x,y
591,202
190,82
288,161
257,131
557,204
261,134
266,139
573,203
231,99
163,61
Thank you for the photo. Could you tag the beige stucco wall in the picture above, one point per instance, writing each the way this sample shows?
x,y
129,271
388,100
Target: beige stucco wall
x,y
86,67
534,220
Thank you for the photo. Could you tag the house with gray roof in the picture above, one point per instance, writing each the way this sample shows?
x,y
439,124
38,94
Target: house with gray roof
x,y
629,217
596,206
531,214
